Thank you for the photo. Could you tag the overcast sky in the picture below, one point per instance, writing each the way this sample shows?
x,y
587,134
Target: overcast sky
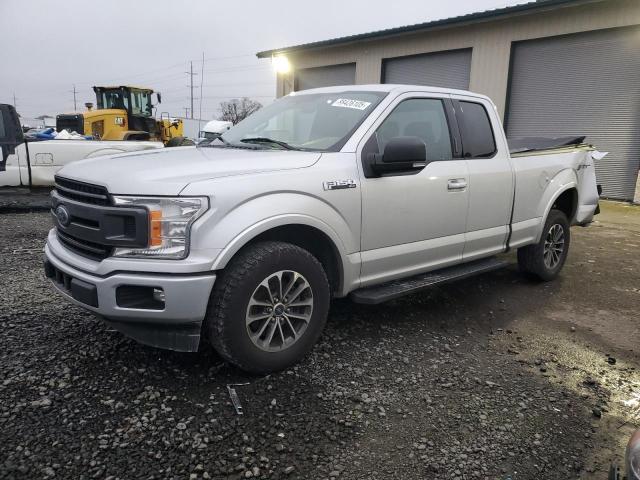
x,y
47,47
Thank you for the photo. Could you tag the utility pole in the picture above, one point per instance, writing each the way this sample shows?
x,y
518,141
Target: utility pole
x,y
14,101
191,74
75,107
186,112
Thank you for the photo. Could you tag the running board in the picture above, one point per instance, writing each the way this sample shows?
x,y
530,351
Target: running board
x,y
398,288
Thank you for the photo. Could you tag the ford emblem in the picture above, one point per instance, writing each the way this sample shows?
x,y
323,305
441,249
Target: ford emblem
x,y
62,214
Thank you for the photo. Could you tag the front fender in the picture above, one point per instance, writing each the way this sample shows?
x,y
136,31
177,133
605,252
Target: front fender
x,y
236,228
564,180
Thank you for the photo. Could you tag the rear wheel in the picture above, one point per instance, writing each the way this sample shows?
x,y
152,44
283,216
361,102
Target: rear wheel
x,y
269,307
546,258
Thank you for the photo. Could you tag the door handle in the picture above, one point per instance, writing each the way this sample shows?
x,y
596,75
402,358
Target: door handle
x,y
456,184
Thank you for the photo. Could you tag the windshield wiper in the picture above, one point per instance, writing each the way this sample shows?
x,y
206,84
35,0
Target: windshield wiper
x,y
225,143
282,144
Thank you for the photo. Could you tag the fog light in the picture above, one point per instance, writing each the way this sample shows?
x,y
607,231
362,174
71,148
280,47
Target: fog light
x,y
158,295
140,297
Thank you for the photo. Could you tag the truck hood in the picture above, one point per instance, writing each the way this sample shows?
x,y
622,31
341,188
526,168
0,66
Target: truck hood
x,y
168,171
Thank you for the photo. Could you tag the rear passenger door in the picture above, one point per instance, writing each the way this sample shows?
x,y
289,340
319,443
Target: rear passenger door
x,y
414,221
491,179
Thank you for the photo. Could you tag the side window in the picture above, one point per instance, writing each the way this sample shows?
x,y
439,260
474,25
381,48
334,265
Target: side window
x,y
477,134
418,117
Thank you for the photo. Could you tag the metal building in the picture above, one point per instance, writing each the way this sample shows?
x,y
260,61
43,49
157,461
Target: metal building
x,y
553,67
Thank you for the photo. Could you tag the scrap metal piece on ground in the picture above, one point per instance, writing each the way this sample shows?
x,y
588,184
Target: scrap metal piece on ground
x,y
234,397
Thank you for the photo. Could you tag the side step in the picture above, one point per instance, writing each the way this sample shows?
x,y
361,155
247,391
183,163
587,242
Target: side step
x,y
398,288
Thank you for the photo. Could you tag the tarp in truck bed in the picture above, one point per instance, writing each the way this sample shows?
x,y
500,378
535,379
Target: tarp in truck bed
x,y
531,144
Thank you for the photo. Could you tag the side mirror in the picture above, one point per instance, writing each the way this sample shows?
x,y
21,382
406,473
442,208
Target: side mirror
x,y
405,150
159,97
401,156
10,133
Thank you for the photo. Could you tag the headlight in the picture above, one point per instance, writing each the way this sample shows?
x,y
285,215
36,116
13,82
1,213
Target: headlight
x,y
170,221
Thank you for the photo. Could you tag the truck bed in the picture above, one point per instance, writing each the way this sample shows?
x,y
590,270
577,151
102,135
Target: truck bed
x,y
518,145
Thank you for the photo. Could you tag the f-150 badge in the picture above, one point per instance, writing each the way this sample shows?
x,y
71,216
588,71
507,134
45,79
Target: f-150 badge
x,y
339,184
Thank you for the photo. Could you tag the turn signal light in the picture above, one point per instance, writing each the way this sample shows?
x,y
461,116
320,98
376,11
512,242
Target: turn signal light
x,y
155,228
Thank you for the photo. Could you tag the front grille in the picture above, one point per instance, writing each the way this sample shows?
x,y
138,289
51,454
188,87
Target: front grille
x,y
85,193
82,192
92,250
88,224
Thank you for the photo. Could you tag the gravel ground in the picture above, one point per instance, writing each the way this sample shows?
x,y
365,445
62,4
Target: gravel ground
x,y
494,377
17,200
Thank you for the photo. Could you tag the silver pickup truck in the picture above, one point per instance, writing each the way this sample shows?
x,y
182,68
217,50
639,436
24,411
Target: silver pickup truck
x,y
372,191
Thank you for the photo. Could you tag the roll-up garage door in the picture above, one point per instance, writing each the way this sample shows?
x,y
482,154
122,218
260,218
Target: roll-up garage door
x,y
329,76
583,84
450,69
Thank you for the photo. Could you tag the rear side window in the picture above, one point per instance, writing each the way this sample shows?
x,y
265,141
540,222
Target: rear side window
x,y
477,134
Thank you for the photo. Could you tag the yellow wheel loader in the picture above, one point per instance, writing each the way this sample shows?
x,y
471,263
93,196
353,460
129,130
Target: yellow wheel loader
x,y
124,113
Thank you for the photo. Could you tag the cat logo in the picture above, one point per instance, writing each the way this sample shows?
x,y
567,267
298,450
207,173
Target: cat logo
x,y
339,184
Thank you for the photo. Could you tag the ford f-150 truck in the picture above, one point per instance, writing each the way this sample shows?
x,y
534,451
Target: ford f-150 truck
x,y
372,191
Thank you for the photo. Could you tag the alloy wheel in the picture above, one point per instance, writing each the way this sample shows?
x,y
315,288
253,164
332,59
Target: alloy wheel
x,y
279,311
553,246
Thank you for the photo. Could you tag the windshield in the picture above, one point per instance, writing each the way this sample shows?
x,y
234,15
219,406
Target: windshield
x,y
141,103
113,99
317,121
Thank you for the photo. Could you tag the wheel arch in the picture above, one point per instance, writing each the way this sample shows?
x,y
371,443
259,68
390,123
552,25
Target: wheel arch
x,y
308,233
567,202
565,197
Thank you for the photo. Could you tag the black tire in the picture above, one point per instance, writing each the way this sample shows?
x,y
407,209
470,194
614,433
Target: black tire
x,y
226,323
180,142
531,259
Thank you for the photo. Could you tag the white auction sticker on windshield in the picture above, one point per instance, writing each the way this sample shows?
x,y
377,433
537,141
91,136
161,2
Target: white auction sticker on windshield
x,y
348,103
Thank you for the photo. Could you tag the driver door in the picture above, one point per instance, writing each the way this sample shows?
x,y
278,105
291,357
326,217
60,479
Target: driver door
x,y
414,222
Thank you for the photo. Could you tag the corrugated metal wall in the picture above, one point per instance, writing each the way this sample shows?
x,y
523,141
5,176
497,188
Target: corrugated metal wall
x,y
585,84
450,69
329,76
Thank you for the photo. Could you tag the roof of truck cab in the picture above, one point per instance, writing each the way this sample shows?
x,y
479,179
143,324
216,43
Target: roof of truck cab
x,y
388,87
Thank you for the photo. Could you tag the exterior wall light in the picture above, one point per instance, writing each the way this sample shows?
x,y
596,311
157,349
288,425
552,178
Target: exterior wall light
x,y
281,64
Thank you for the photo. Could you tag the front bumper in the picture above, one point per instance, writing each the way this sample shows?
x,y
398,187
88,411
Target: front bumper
x,y
173,325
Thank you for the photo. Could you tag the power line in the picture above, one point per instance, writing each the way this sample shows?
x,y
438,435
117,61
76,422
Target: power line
x,y
207,85
177,65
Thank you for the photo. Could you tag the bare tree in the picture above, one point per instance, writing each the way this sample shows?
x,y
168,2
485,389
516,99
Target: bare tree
x,y
238,109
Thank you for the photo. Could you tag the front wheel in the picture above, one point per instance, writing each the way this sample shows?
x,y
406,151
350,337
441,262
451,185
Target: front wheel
x,y
268,307
546,258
